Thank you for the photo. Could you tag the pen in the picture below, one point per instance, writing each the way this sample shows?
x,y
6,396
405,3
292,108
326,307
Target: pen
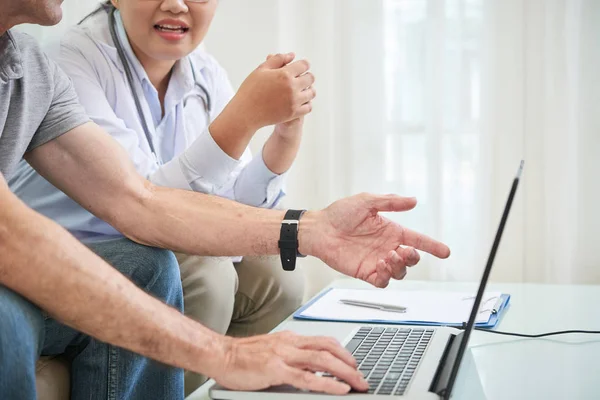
x,y
498,304
377,306
493,310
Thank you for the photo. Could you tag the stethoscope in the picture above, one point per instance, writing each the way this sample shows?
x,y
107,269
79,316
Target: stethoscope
x,y
121,53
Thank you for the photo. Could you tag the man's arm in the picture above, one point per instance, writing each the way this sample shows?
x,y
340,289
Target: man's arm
x,y
90,167
45,264
350,236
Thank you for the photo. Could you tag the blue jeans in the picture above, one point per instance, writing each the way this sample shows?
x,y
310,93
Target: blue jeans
x,y
98,370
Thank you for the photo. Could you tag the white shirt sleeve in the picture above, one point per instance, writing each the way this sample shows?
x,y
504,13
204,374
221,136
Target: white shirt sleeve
x,y
257,185
202,167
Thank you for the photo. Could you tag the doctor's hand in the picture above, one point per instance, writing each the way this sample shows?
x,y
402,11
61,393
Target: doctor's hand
x,y
353,238
279,90
291,130
285,358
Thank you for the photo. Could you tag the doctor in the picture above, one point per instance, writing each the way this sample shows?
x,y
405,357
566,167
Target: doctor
x,y
139,74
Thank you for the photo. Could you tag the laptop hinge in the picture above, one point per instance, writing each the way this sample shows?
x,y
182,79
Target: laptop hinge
x,y
442,374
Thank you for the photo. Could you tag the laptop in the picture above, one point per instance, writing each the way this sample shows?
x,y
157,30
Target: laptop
x,y
406,362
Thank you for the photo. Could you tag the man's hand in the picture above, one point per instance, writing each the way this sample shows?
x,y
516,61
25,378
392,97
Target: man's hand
x,y
351,237
285,358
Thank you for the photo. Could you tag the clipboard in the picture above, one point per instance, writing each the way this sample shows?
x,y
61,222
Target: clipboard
x,y
397,318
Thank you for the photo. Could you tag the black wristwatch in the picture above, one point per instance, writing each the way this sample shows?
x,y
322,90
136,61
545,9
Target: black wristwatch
x,y
288,239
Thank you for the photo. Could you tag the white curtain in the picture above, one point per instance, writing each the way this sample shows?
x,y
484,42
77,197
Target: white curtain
x,y
441,99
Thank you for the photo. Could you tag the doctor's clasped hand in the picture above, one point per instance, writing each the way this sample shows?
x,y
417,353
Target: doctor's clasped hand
x,y
277,92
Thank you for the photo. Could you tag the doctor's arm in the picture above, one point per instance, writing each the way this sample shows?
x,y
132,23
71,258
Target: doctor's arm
x,y
210,159
260,183
281,148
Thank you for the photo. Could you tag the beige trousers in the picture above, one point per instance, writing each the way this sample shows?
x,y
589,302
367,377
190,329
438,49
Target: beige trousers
x,y
238,299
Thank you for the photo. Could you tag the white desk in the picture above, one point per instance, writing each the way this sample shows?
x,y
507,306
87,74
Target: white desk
x,y
502,367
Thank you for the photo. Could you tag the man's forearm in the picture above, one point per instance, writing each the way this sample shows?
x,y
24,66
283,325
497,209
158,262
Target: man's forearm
x,y
46,265
91,168
199,224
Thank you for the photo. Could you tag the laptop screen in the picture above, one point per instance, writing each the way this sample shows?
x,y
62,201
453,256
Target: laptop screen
x,y
486,274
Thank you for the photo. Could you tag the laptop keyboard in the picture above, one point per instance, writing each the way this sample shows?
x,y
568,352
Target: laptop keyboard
x,y
389,357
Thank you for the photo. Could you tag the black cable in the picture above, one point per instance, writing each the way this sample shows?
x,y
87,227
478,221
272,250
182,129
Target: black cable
x,y
540,335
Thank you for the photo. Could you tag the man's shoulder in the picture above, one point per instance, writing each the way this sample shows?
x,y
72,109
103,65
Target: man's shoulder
x,y
30,56
26,44
24,40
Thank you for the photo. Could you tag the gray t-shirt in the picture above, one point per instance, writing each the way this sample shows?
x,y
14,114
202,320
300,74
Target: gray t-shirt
x,y
37,100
